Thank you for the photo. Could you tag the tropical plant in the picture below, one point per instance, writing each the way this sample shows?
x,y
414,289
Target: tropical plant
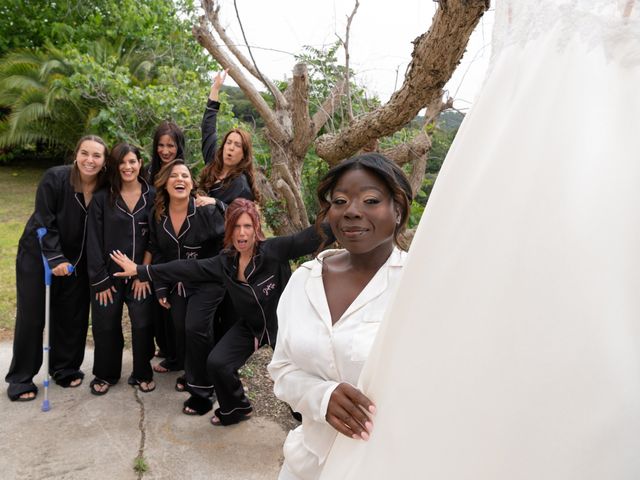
x,y
115,68
33,86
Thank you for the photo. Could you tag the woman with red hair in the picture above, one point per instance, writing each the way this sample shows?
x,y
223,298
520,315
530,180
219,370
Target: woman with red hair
x,y
253,271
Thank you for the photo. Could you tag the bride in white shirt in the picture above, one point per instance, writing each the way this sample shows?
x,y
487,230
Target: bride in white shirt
x,y
330,311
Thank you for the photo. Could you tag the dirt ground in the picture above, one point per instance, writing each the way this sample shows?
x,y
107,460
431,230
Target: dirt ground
x,y
259,387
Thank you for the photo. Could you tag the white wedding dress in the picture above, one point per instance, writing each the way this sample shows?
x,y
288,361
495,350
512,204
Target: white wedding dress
x,y
512,349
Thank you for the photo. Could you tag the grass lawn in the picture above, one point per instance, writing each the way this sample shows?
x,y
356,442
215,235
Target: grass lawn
x,y
17,196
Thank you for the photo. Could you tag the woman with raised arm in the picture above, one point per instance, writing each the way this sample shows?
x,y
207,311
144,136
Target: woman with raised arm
x,y
229,172
118,219
254,271
62,199
330,312
180,230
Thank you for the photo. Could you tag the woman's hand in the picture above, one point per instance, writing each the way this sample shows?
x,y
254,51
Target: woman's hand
x,y
105,297
202,200
348,412
128,266
217,83
164,303
140,289
62,270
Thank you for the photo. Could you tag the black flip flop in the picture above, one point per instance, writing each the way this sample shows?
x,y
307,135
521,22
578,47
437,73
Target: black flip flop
x,y
25,399
66,381
134,382
198,404
181,384
216,421
95,382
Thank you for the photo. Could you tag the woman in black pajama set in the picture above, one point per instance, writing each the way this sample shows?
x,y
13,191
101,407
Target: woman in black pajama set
x,y
168,144
178,231
61,207
254,272
228,175
228,172
118,219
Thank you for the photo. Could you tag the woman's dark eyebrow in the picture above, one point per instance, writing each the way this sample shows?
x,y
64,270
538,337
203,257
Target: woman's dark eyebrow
x,y
362,189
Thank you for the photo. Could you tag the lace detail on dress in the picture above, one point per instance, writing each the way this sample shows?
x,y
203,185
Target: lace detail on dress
x,y
613,25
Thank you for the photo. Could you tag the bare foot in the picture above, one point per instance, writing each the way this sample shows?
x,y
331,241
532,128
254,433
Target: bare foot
x,y
75,383
147,387
99,388
160,369
27,396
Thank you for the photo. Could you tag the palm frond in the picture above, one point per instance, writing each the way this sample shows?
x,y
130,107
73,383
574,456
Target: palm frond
x,y
19,82
25,137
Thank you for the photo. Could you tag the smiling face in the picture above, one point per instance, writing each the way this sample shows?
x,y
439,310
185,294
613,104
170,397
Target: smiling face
x,y
232,152
90,158
244,235
167,148
180,183
362,214
129,168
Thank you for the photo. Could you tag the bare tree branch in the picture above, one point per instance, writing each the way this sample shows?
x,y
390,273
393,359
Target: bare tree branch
x,y
408,151
287,193
435,56
205,38
418,169
345,44
288,187
435,108
416,151
299,91
212,11
328,107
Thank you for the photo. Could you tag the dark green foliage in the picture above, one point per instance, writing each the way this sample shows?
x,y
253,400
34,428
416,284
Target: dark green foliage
x,y
113,68
440,142
160,26
450,120
313,170
242,107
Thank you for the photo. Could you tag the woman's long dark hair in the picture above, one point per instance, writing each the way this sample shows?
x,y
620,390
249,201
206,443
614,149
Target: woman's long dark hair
x,y
176,134
161,201
115,159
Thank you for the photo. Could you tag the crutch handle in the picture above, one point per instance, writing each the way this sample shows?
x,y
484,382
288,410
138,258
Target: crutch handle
x,y
41,232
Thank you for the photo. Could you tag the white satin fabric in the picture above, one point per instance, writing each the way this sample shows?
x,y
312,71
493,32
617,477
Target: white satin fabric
x,y
512,349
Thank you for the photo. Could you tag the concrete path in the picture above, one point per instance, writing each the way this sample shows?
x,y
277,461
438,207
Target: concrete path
x,y
86,436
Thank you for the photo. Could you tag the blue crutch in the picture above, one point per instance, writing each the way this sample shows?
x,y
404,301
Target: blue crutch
x,y
45,342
